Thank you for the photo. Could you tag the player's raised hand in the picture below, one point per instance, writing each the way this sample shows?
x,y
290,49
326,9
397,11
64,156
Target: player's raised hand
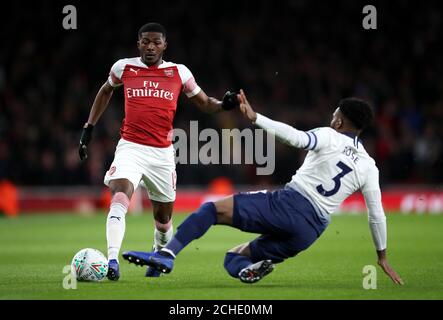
x,y
383,263
84,141
245,107
230,100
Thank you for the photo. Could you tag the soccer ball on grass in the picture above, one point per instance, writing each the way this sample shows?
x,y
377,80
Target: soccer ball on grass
x,y
89,265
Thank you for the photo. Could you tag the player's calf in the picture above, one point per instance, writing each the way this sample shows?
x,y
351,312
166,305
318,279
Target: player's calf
x,y
235,262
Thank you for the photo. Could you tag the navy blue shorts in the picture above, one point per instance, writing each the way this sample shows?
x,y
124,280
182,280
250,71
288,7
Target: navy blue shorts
x,y
287,221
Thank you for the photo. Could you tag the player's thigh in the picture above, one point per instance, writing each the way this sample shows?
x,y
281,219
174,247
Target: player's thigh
x,y
160,182
225,210
125,166
252,212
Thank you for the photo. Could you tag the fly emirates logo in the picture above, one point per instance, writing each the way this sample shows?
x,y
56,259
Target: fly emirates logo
x,y
150,90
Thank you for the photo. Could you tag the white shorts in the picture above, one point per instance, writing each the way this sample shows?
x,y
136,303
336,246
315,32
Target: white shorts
x,y
150,167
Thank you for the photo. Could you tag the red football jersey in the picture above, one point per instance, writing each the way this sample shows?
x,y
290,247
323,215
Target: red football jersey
x,y
151,95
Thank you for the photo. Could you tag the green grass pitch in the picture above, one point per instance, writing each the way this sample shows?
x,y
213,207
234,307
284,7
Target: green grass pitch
x,y
35,248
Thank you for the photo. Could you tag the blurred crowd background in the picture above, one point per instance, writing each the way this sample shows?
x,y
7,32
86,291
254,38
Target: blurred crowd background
x,y
295,60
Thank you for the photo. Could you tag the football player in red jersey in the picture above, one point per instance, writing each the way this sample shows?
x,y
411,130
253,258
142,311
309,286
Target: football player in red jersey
x,y
145,155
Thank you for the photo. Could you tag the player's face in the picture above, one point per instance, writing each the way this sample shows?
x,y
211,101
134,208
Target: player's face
x,y
151,46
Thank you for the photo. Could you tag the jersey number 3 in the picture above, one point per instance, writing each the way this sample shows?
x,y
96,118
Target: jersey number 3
x,y
344,171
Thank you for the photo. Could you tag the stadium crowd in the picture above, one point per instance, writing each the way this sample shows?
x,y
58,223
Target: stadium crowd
x,y
294,59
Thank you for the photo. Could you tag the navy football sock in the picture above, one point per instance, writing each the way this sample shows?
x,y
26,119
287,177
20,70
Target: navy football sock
x,y
193,227
235,262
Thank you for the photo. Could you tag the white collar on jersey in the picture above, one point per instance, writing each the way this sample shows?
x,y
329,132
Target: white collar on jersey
x,y
353,136
158,67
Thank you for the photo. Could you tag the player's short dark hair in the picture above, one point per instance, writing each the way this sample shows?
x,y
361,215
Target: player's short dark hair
x,y
152,27
357,111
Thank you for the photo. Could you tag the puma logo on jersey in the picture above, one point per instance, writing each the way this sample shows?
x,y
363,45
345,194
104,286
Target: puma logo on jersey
x,y
118,218
133,70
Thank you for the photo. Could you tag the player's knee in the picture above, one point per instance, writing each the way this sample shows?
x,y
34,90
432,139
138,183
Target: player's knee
x,y
224,208
121,185
208,208
206,213
120,198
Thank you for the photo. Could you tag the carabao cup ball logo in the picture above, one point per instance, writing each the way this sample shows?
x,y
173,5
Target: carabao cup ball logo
x,y
100,269
78,263
89,265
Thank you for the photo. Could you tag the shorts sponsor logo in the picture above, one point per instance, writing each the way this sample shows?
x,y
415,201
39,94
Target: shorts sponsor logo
x,y
112,170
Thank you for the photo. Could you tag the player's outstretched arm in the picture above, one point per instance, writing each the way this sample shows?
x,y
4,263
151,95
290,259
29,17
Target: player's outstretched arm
x,y
98,107
377,221
283,132
213,105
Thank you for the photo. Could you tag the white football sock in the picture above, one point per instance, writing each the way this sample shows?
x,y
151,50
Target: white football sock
x,y
115,224
162,238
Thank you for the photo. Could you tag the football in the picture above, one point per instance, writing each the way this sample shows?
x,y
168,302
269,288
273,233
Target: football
x,y
89,265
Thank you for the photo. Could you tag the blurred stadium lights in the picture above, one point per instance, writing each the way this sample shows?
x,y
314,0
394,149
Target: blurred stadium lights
x,y
89,200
